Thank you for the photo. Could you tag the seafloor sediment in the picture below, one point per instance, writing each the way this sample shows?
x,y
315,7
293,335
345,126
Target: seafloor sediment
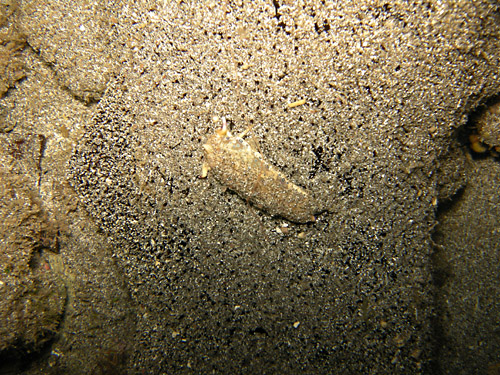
x,y
196,279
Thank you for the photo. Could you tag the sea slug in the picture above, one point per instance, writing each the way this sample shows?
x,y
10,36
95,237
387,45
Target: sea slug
x,y
243,170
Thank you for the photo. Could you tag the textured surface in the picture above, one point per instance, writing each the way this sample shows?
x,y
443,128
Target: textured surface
x,y
81,53
467,260
64,311
33,297
11,43
182,275
226,290
488,124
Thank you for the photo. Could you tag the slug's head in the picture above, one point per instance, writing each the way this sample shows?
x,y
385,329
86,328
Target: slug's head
x,y
223,132
213,147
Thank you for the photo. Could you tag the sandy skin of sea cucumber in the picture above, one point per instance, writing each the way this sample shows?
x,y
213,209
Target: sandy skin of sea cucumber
x,y
240,168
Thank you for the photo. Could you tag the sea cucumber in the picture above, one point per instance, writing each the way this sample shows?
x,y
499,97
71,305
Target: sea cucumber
x,y
245,171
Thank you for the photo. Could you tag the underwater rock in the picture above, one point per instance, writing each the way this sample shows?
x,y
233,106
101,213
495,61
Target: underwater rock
x,y
488,125
33,297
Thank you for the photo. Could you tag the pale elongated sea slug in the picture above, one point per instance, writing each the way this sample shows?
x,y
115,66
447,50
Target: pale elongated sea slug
x,y
243,170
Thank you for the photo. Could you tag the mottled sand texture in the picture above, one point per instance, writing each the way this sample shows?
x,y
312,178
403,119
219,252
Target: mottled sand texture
x,y
198,280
